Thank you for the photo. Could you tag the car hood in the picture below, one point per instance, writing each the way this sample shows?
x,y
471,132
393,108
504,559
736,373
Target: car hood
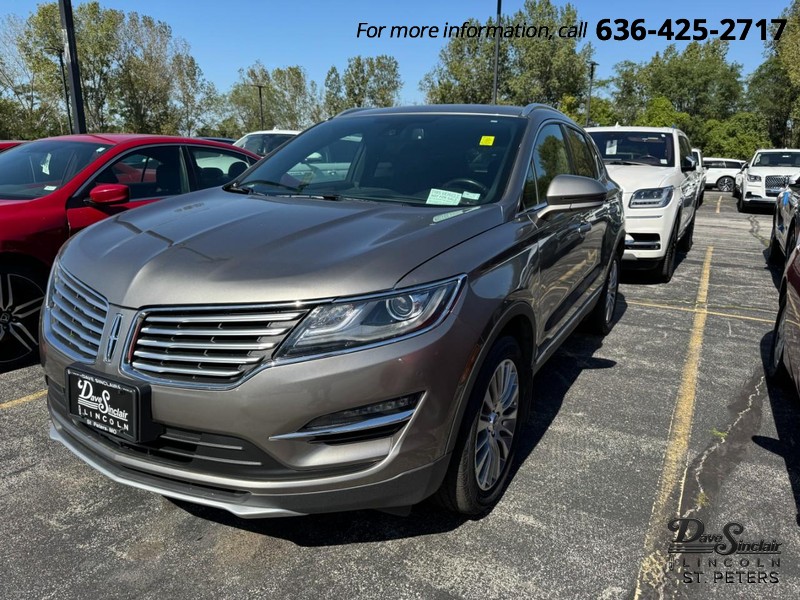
x,y
771,170
637,177
218,247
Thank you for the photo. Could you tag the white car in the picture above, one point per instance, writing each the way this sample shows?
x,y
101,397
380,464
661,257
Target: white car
x,y
661,184
765,176
721,172
264,142
700,161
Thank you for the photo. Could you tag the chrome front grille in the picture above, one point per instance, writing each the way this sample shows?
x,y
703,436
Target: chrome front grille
x,y
78,315
772,182
210,345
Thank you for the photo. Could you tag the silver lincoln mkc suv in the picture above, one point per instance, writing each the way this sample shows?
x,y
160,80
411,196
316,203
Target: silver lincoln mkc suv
x,y
354,322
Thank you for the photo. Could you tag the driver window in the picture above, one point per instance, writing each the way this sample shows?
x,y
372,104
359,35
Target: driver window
x,y
550,157
149,173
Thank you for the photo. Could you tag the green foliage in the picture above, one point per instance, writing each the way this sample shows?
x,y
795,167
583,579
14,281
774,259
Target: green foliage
x,y
660,112
530,69
771,93
736,137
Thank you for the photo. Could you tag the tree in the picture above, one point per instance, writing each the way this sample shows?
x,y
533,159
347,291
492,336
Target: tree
x,y
334,101
771,94
737,137
195,98
530,69
371,81
660,112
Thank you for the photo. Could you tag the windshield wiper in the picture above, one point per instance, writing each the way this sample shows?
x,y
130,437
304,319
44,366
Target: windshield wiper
x,y
253,182
332,197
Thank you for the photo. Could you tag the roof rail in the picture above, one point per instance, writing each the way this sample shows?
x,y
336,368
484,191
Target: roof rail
x,y
533,106
347,111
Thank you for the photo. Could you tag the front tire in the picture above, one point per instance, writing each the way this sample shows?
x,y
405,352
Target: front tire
x,y
21,297
489,433
687,241
666,267
775,255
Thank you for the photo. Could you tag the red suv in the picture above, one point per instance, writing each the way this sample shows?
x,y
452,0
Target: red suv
x,y
54,187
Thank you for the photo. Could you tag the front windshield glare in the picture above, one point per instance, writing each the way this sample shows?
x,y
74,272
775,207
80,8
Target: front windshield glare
x,y
36,169
435,160
635,147
777,159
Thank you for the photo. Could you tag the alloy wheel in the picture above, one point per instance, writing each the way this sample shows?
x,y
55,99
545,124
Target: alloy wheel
x,y
20,303
725,184
497,424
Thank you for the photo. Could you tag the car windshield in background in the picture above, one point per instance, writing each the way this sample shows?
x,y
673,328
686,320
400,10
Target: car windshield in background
x,y
425,159
263,143
777,159
36,169
635,147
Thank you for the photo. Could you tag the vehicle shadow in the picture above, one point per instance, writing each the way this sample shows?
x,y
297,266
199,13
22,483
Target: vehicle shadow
x,y
785,408
551,384
648,276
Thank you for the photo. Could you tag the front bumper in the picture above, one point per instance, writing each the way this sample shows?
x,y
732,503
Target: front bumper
x,y
294,476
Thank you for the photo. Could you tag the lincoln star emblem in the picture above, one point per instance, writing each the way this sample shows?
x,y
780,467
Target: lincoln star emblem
x,y
113,336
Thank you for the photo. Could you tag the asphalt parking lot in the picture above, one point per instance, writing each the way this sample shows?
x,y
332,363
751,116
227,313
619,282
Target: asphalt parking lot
x,y
669,415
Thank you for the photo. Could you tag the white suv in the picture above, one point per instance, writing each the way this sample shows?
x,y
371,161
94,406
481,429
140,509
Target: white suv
x,y
721,172
765,176
661,184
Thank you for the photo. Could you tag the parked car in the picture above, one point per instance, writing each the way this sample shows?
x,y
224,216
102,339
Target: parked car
x,y
7,144
785,222
721,172
765,175
784,356
661,186
290,345
700,162
53,188
264,142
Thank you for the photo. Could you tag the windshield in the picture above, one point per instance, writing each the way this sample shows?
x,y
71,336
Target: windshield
x,y
426,159
777,159
263,143
635,147
36,169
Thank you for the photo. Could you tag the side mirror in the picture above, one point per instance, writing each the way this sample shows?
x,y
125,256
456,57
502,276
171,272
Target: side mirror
x,y
568,192
688,164
313,157
794,184
109,193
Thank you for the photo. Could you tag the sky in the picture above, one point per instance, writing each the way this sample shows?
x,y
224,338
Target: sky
x,y
228,35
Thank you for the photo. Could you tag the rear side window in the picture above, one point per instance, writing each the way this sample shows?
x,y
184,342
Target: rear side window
x,y
550,157
583,161
714,164
215,167
732,164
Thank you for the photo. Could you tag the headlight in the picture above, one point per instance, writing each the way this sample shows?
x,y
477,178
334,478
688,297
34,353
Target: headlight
x,y
348,324
754,178
651,198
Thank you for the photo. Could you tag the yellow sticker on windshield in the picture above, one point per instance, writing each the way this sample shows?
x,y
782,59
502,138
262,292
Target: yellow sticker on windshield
x,y
487,140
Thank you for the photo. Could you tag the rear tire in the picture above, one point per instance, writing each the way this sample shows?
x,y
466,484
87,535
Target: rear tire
x,y
601,319
776,369
489,433
21,297
775,255
726,184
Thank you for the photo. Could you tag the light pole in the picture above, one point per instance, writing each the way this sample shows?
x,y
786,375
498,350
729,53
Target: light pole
x,y
60,52
496,52
260,87
71,52
592,65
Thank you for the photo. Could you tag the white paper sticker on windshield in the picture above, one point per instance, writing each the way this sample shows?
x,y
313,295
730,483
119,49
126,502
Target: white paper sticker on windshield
x,y
611,147
470,195
50,188
443,197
